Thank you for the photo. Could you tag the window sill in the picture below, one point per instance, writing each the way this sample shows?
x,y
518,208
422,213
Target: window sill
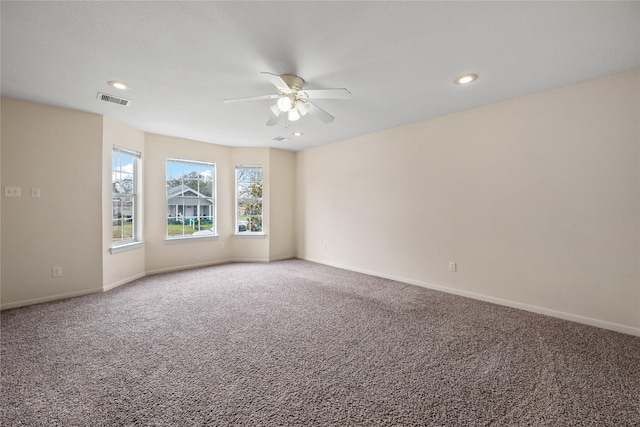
x,y
191,238
126,247
249,235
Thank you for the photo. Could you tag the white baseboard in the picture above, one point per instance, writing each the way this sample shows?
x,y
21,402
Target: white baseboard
x,y
250,260
189,266
630,330
110,286
282,258
48,298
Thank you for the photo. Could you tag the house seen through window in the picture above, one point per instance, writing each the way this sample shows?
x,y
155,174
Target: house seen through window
x,y
124,182
248,199
190,198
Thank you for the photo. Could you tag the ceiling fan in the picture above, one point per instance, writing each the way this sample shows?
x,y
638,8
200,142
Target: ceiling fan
x,y
293,100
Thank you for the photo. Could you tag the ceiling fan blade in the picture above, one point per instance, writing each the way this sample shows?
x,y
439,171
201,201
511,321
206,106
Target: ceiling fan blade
x,y
275,115
277,81
318,112
251,98
327,93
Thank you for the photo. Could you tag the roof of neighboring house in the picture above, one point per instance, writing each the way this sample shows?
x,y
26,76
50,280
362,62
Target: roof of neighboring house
x,y
181,193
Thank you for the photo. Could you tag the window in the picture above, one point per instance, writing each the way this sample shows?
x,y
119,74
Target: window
x,y
190,198
249,199
124,181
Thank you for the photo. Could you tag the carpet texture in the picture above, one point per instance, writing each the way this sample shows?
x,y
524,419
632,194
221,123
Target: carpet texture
x,y
294,343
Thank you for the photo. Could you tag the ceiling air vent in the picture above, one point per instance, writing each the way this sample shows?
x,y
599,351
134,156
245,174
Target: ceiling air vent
x,y
110,98
280,138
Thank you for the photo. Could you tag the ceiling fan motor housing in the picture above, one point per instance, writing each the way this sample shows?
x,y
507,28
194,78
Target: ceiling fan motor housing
x,y
294,82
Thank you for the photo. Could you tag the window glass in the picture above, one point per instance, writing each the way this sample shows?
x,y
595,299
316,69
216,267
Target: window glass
x,y
249,199
190,198
124,181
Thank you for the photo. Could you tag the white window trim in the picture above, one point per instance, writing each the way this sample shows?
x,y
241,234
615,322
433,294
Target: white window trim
x,y
250,235
136,239
187,238
214,195
126,247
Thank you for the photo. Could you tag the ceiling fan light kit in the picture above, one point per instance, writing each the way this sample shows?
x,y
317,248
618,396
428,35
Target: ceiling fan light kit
x,y
293,115
293,100
302,107
284,103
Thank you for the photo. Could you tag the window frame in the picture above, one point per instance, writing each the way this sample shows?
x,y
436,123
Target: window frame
x,y
212,213
248,233
136,218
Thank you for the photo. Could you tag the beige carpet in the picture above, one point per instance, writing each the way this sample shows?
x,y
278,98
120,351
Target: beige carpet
x,y
301,344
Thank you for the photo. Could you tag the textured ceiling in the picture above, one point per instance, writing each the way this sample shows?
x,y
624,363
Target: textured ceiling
x,y
398,59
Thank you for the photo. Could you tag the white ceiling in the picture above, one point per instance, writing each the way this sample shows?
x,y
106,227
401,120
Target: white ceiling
x,y
398,59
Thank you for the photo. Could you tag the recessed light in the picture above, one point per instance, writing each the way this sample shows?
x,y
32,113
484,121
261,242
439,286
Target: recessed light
x,y
117,85
298,134
466,79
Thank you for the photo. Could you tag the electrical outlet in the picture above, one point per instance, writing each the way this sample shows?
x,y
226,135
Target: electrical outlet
x,y
452,266
35,192
56,271
221,245
12,192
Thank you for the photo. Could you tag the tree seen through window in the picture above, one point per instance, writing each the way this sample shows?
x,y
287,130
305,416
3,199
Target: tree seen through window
x,y
249,199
